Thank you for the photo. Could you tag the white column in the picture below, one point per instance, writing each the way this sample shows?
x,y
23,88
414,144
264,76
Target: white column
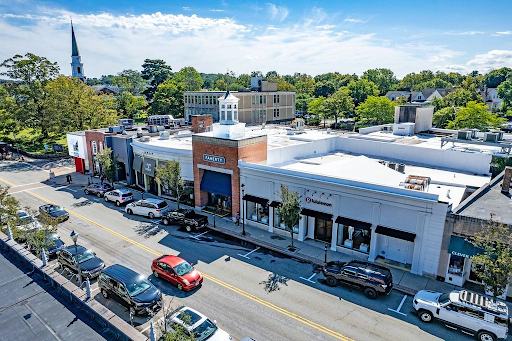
x,y
271,219
335,206
417,261
302,228
373,240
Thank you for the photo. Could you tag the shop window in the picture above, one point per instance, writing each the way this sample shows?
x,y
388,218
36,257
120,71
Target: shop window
x,y
94,148
257,212
280,225
456,266
140,179
354,238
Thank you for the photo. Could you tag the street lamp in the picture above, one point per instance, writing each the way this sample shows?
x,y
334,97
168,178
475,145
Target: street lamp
x,y
74,237
243,210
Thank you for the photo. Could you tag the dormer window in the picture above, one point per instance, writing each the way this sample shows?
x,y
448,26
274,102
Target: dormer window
x,y
223,106
235,106
229,106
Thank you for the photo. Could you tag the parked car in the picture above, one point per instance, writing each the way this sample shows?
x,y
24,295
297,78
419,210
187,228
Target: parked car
x,y
372,278
185,217
98,189
26,223
152,208
54,212
90,265
130,289
54,245
177,271
196,324
467,311
119,196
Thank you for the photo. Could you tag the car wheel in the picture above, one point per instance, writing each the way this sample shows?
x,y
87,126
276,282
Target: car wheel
x,y
86,191
426,316
151,215
180,287
106,198
370,293
132,311
98,194
486,336
331,281
104,293
118,203
129,211
188,228
165,221
155,273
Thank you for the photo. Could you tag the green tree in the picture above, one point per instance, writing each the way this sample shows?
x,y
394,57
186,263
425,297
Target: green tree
x,y
156,71
496,77
289,212
359,90
9,208
108,164
505,93
305,85
301,102
318,107
376,110
475,116
340,103
189,79
443,116
169,176
496,260
129,106
283,85
458,98
168,99
130,81
435,83
244,80
384,79
412,79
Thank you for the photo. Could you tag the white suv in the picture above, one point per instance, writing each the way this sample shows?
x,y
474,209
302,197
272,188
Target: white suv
x,y
119,196
152,208
472,313
196,324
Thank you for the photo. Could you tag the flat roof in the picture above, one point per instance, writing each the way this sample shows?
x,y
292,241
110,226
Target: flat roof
x,y
32,311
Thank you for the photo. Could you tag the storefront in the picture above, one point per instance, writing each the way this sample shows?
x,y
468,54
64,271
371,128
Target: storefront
x,y
460,267
77,149
148,170
217,185
353,234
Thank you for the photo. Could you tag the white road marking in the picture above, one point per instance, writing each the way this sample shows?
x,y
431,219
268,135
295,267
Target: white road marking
x,y
400,306
72,190
32,183
247,254
149,325
28,189
196,237
97,288
309,279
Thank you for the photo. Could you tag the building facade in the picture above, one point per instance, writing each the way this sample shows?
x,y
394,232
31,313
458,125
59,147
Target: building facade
x,y
77,148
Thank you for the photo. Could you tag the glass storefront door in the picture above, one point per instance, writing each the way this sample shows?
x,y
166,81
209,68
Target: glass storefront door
x,y
323,230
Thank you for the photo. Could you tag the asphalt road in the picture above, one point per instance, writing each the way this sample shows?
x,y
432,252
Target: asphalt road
x,y
264,296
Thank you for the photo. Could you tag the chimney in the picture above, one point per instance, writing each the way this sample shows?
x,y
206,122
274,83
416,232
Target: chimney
x,y
506,180
201,122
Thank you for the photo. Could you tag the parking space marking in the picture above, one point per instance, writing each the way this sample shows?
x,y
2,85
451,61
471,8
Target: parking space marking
x,y
72,190
397,310
196,237
247,254
310,278
154,324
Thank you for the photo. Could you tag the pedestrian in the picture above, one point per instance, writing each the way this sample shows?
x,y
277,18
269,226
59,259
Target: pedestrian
x,y
237,219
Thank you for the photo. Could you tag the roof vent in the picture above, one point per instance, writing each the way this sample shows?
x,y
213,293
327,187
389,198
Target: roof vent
x,y
464,135
418,183
164,135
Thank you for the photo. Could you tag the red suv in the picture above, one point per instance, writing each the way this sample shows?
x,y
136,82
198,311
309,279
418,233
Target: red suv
x,y
177,271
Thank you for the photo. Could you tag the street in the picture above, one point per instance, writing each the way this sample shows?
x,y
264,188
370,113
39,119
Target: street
x,y
249,291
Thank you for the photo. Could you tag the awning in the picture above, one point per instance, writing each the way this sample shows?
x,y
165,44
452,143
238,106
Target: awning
x,y
355,223
275,204
395,233
261,201
215,182
320,215
148,167
137,163
461,247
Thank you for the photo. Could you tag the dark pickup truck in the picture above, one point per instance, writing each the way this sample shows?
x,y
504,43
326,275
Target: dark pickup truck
x,y
185,217
372,278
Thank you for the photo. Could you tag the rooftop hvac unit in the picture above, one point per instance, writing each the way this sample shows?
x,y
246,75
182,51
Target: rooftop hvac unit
x,y
491,137
139,132
473,133
153,129
387,128
401,168
164,135
464,135
392,165
418,183
144,139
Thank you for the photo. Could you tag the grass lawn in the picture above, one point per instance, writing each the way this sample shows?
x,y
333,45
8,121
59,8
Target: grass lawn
x,y
31,141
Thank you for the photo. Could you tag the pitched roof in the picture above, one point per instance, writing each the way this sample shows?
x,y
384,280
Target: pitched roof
x,y
74,45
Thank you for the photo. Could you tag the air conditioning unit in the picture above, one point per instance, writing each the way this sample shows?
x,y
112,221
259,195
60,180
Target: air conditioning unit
x,y
164,135
491,137
464,135
401,168
473,133
392,165
387,128
144,139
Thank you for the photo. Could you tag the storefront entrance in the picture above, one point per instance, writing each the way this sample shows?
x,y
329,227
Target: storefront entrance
x,y
323,230
218,187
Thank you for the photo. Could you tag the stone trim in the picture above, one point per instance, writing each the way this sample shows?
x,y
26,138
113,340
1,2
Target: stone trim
x,y
229,143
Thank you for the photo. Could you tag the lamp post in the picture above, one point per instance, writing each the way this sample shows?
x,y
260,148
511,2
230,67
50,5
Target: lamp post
x,y
74,237
243,210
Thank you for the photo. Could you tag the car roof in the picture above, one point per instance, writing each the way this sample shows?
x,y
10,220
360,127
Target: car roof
x,y
79,248
171,260
192,311
154,200
123,190
22,214
122,273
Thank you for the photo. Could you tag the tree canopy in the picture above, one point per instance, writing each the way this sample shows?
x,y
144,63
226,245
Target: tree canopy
x,y
475,116
359,90
156,71
376,110
384,79
168,99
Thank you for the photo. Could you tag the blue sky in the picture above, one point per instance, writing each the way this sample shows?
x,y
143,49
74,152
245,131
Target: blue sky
x,y
242,36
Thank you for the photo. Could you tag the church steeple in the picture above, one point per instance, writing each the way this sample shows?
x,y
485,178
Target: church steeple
x,y
77,68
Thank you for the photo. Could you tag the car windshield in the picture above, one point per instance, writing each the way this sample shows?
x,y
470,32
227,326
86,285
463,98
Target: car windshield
x,y
162,204
85,256
127,194
138,287
183,268
204,330
444,298
25,220
55,208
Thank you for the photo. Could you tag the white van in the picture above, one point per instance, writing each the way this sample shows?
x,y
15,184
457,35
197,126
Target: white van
x,y
466,311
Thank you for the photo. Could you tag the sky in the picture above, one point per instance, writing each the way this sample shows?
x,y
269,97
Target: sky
x,y
243,36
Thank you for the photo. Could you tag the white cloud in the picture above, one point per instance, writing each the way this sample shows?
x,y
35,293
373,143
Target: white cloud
x,y
186,8
494,59
277,12
217,10
502,33
464,33
355,21
325,27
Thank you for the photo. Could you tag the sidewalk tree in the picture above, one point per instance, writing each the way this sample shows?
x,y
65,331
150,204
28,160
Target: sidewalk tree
x,y
169,176
108,164
339,104
475,116
289,212
496,260
376,110
8,211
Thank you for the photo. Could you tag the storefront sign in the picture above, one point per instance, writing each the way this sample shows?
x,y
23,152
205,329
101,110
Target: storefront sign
x,y
213,158
455,253
318,202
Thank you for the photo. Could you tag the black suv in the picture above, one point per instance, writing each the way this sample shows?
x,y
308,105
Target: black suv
x,y
130,289
98,189
185,217
372,278
90,265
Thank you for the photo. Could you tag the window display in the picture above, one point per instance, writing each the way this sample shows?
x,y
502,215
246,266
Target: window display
x,y
279,224
355,238
257,212
456,265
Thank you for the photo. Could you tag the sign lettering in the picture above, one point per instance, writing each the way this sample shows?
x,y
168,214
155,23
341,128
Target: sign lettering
x,y
148,167
455,253
318,202
213,158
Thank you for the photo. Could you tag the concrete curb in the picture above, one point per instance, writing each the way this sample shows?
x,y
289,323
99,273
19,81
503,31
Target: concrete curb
x,y
70,291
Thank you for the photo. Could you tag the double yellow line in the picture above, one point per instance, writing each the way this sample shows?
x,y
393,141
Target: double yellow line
x,y
213,279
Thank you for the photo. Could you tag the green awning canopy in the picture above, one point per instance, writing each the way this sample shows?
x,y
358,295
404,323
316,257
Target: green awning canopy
x,y
460,247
